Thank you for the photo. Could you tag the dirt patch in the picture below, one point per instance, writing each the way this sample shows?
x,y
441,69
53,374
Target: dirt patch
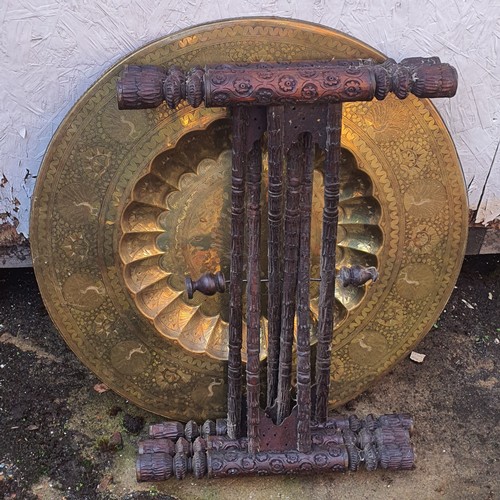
x,y
55,424
26,346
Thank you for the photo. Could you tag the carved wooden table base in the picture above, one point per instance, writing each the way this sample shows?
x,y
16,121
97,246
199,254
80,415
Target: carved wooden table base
x,y
340,444
299,105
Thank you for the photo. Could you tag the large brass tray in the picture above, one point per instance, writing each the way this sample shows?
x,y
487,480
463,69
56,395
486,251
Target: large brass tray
x,y
127,203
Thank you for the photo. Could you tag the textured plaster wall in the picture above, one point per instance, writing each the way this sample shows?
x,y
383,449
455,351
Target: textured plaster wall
x,y
51,51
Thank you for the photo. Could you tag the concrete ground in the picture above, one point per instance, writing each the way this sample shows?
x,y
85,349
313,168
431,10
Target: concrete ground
x,y
56,426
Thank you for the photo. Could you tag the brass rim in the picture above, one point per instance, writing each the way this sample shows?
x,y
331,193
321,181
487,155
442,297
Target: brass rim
x,y
93,190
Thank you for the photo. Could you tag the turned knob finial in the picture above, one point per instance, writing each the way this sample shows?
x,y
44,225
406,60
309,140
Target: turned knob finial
x,y
357,275
208,284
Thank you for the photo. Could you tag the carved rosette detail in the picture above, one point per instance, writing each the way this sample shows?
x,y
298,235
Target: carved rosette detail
x,y
340,444
340,81
242,86
309,91
220,98
264,96
287,83
352,88
265,72
330,79
218,78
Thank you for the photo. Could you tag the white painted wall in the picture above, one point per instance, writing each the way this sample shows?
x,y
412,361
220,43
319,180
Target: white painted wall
x,y
51,51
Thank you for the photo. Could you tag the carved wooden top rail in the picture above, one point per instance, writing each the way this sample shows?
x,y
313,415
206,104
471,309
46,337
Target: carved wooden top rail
x,y
266,84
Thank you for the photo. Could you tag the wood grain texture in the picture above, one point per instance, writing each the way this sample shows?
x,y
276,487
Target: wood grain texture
x,y
303,311
295,158
240,125
327,273
275,129
254,175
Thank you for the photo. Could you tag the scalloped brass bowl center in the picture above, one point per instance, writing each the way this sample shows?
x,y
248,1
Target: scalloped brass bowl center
x,y
179,223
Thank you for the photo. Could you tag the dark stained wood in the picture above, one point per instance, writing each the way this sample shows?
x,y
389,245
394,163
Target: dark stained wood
x,y
306,82
254,174
275,129
240,125
295,159
327,264
303,313
207,284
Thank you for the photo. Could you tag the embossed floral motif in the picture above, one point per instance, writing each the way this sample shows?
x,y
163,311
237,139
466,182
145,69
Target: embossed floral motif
x,y
320,459
412,156
384,121
287,83
425,198
352,88
217,464
334,451
309,91
292,457
98,161
242,86
103,325
248,463
423,239
218,78
330,79
167,378
264,95
75,246
277,465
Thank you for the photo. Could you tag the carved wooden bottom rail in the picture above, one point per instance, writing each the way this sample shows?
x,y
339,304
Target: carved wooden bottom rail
x,y
340,444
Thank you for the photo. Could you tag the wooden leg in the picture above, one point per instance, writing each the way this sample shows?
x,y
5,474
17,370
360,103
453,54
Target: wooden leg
x,y
295,159
275,129
328,247
303,330
240,126
254,174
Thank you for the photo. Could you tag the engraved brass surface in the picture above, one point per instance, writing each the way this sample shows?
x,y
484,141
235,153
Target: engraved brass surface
x,y
127,202
178,223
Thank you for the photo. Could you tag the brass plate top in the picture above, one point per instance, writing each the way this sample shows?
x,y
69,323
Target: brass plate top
x,y
127,202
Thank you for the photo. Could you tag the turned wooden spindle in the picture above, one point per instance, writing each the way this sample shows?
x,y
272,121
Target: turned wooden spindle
x,y
357,275
208,284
